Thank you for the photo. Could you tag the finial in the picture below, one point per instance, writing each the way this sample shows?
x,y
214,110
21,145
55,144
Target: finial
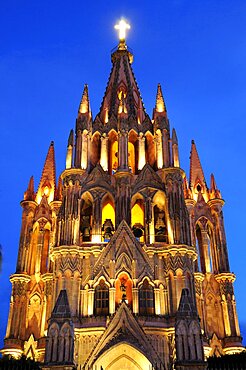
x,y
160,103
122,26
84,106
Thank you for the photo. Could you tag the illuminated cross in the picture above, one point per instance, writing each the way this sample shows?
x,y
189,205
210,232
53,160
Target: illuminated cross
x,y
122,26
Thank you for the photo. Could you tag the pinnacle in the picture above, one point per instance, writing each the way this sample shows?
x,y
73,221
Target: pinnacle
x,y
196,171
160,103
70,138
29,193
174,137
48,178
84,106
213,185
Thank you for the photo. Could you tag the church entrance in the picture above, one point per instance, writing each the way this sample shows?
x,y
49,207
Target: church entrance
x,y
122,357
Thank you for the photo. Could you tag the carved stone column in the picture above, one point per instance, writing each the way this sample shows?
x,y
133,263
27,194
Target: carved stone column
x,y
112,300
97,217
84,150
157,301
123,199
123,151
159,152
135,307
141,151
165,148
90,301
104,152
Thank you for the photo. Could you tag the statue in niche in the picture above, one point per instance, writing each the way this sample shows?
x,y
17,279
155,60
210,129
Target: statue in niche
x,y
123,290
161,234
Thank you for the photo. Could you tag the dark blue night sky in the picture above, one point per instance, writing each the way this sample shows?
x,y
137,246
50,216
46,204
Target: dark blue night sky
x,y
195,49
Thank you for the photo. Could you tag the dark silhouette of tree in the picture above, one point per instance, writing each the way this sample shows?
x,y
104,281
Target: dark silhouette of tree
x,y
228,362
8,363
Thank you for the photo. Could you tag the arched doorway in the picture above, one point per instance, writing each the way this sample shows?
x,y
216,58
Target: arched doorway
x,y
122,357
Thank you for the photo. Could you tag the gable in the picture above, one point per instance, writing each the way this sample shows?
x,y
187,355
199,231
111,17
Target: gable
x,y
123,327
126,251
148,178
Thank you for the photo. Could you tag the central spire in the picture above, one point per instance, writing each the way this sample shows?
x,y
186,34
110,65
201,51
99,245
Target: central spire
x,y
122,95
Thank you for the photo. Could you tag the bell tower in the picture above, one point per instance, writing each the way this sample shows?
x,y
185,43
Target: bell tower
x,y
122,259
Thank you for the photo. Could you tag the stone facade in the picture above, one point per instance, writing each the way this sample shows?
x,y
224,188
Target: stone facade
x,y
123,262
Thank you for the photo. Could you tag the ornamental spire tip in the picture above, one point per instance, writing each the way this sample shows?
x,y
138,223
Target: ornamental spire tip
x,y
122,27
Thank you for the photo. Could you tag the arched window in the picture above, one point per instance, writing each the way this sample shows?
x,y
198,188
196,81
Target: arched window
x,y
101,299
133,151
131,157
123,285
137,216
86,219
146,299
203,245
113,156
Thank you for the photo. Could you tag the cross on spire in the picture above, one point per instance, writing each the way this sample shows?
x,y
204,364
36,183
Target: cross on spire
x,y
122,26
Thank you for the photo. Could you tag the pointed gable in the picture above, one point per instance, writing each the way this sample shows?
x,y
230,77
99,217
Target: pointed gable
x,y
186,306
124,248
61,309
98,178
148,178
123,327
202,209
43,210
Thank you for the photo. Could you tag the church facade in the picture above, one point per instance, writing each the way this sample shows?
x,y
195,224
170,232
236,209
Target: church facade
x,y
123,261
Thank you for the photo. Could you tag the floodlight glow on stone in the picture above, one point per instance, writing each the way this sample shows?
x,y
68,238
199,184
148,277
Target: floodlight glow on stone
x,y
122,26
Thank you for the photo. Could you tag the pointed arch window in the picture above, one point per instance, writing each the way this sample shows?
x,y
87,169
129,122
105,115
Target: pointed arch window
x,y
204,250
146,299
101,299
86,220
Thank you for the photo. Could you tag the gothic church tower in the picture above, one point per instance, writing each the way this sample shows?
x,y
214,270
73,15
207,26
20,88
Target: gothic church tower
x,y
122,262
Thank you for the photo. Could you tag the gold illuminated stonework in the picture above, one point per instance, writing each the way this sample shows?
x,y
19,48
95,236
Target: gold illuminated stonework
x,y
122,261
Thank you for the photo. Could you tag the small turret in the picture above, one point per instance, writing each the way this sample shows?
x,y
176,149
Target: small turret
x,y
197,178
29,193
58,192
187,192
160,106
214,191
69,157
83,126
188,338
84,107
175,149
47,183
60,338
